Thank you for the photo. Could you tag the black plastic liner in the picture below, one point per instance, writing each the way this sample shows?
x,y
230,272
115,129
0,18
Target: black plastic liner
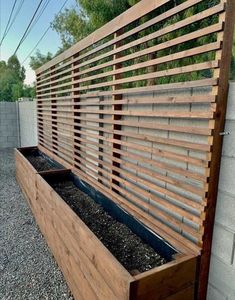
x,y
161,246
34,151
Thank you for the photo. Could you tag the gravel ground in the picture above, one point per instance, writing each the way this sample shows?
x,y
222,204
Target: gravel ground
x,y
27,268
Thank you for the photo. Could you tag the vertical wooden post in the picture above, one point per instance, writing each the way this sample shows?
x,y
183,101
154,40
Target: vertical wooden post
x,y
221,91
54,135
39,110
116,107
75,103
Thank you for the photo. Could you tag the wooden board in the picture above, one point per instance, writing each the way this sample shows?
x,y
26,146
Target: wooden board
x,y
26,176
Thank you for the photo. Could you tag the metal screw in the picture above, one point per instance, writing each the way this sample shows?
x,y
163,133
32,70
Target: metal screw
x,y
224,133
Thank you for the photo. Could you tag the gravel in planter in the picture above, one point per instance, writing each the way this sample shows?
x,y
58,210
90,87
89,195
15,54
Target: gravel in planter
x,y
40,162
127,247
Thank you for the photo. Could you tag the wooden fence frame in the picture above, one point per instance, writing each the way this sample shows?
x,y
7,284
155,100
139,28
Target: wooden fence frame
x,y
48,95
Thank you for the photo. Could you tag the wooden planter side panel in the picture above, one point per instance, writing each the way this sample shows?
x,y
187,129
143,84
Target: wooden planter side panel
x,y
26,177
176,278
88,266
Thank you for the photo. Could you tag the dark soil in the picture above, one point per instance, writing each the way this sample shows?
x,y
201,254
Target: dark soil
x,y
40,163
127,247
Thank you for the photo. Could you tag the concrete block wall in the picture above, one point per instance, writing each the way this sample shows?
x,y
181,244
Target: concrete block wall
x,y
222,269
9,129
28,123
18,124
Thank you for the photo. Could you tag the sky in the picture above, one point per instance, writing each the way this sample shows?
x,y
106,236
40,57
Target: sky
x,y
51,41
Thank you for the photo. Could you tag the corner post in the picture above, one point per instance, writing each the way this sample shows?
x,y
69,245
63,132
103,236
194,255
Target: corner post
x,y
221,91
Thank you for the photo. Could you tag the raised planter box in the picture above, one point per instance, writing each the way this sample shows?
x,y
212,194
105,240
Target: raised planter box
x,y
90,269
26,173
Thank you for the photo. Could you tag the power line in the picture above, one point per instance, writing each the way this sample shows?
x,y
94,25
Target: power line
x,y
45,32
14,18
38,17
35,21
9,20
31,21
36,45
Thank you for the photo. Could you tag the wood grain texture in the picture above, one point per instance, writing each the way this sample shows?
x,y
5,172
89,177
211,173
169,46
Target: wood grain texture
x,y
178,278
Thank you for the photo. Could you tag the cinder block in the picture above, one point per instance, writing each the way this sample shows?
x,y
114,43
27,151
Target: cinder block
x,y
3,123
3,139
229,140
11,145
28,123
10,104
231,296
214,294
183,193
201,90
234,256
231,102
223,244
11,117
222,276
12,139
3,127
2,110
196,154
4,132
225,210
2,106
10,111
12,122
227,178
12,131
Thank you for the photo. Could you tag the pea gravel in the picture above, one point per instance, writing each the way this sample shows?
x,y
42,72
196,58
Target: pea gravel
x,y
28,270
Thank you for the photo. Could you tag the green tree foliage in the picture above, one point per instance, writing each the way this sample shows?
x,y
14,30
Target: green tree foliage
x,y
39,59
12,76
74,24
14,66
29,91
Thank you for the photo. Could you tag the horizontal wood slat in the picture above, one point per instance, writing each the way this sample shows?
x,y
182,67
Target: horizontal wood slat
x,y
169,72
149,100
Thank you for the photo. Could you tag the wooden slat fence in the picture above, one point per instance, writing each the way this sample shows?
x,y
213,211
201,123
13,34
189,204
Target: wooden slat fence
x,y
135,110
